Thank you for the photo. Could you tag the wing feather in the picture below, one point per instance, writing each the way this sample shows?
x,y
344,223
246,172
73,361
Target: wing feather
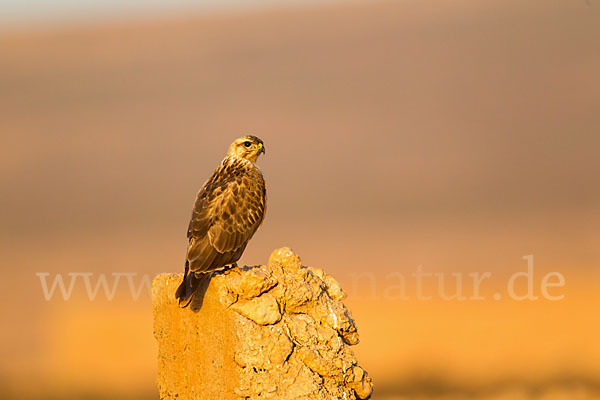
x,y
228,210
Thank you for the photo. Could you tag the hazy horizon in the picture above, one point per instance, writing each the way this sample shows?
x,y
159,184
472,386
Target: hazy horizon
x,y
52,13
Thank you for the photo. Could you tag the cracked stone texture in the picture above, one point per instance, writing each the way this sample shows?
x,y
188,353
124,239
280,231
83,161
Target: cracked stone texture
x,y
275,331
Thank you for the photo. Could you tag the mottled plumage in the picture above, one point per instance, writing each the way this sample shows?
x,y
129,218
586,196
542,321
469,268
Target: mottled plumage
x,y
228,210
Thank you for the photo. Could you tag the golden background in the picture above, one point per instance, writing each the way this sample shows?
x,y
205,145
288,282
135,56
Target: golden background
x,y
455,135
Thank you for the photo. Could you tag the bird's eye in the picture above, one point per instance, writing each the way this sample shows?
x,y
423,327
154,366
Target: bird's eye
x,y
247,144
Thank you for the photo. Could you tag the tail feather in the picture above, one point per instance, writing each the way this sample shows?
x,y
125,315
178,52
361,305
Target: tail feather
x,y
187,288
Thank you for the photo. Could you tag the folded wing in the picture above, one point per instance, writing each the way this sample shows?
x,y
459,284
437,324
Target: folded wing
x,y
228,211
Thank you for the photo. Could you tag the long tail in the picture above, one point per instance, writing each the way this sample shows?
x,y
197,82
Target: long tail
x,y
189,285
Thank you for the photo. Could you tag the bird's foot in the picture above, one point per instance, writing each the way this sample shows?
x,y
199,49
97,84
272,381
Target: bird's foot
x,y
230,266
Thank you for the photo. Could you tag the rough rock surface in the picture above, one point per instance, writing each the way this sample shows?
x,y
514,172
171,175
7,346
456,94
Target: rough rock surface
x,y
275,331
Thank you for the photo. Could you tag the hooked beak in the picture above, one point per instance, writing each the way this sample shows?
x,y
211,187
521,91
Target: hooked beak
x,y
262,149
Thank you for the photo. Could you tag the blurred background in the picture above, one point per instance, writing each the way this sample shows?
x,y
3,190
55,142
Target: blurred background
x,y
454,135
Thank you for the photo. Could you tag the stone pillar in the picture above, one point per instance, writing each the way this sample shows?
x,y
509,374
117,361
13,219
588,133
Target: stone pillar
x,y
274,331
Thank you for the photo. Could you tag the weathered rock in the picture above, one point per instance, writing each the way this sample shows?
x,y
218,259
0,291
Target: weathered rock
x,y
263,310
286,258
334,290
360,382
276,331
250,283
313,360
264,348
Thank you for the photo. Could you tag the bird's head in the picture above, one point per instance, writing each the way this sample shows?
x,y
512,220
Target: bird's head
x,y
247,147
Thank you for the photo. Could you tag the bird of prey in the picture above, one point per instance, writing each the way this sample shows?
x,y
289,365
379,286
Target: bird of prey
x,y
228,210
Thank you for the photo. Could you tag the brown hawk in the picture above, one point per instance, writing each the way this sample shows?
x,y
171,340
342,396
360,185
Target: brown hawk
x,y
228,210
